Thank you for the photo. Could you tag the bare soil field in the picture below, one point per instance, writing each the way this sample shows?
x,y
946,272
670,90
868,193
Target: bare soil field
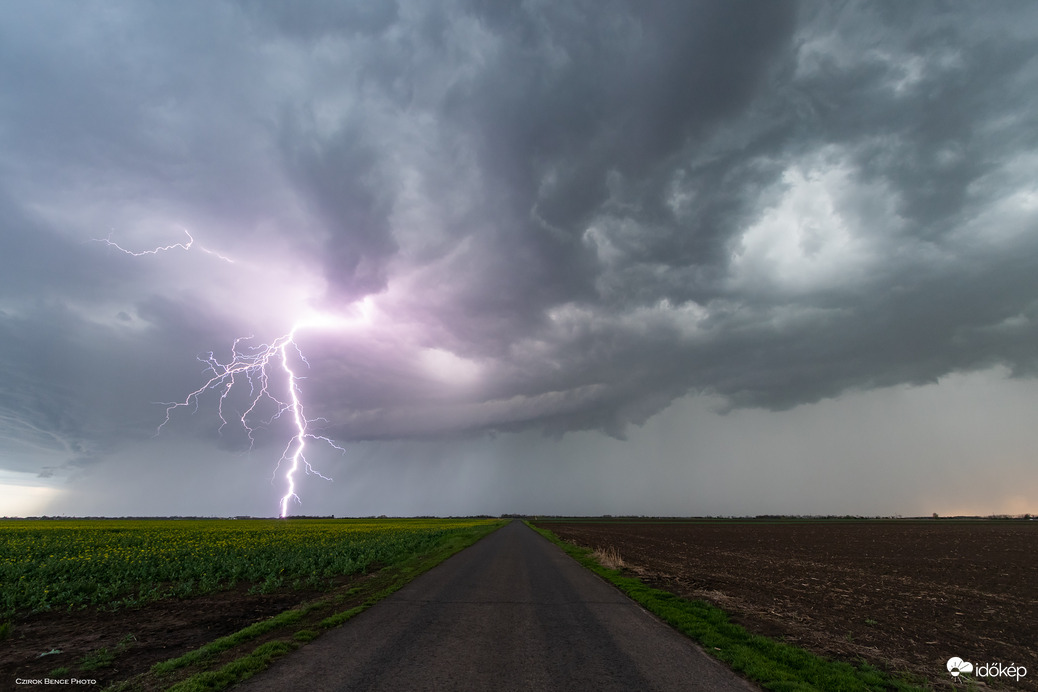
x,y
134,639
903,595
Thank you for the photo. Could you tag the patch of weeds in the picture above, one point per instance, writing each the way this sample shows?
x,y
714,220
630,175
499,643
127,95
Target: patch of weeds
x,y
339,618
5,630
870,622
183,589
306,635
58,673
609,557
102,658
235,671
269,585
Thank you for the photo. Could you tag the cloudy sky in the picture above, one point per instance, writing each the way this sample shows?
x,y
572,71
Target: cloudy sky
x,y
711,258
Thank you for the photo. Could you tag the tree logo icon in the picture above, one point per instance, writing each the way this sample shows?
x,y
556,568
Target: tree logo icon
x,y
956,666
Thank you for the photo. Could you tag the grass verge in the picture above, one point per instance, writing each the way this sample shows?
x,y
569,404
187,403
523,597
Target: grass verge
x,y
229,660
771,664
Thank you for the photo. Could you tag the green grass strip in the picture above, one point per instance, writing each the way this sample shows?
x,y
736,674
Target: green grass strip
x,y
237,670
305,636
772,664
223,643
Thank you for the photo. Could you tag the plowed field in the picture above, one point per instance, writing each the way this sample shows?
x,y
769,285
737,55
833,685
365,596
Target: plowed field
x,y
903,595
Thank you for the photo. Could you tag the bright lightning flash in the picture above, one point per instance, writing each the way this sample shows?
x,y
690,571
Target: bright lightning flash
x,y
257,365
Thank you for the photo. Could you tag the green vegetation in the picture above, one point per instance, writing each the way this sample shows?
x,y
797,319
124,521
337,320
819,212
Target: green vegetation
x,y
305,636
70,564
774,665
236,657
289,617
102,658
239,669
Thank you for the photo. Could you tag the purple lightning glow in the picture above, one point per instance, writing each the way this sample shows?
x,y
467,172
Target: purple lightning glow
x,y
254,364
257,366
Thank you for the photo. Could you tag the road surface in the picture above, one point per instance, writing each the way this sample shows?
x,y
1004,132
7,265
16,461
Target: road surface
x,y
512,612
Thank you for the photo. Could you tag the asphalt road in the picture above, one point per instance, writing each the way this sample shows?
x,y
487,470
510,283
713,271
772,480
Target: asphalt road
x,y
512,612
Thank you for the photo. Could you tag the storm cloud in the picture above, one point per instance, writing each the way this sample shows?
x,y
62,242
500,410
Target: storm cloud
x,y
555,218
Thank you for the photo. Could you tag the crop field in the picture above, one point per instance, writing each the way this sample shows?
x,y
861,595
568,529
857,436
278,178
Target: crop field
x,y
72,588
904,596
66,565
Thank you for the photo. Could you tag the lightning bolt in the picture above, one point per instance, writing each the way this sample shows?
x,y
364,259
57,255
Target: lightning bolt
x,y
165,248
254,365
257,365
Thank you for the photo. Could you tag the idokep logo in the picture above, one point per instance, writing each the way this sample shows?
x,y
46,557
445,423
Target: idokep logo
x,y
956,666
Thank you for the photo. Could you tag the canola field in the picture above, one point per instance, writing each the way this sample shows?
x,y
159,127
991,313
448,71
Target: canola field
x,y
71,564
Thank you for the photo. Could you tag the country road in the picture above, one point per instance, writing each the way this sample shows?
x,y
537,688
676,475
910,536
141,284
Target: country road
x,y
512,612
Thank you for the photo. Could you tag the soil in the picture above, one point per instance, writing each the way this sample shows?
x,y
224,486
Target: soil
x,y
135,638
904,596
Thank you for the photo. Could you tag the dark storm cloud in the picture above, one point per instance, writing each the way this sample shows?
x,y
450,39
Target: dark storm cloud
x,y
351,201
622,157
582,93
566,215
315,20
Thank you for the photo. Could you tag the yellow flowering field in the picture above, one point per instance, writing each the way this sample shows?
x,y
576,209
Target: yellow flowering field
x,y
69,564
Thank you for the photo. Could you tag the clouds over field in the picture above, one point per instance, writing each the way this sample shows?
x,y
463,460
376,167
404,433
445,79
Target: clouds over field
x,y
541,218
